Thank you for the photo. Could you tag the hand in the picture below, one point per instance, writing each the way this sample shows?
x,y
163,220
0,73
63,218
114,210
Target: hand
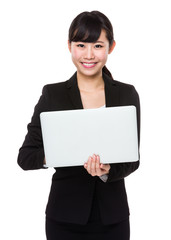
x,y
95,168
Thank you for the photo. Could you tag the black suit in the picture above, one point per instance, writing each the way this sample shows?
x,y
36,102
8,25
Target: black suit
x,y
73,188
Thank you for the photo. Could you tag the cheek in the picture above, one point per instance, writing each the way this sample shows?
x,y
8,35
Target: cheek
x,y
103,55
75,54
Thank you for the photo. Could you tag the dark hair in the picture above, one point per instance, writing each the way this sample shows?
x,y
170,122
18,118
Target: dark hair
x,y
87,27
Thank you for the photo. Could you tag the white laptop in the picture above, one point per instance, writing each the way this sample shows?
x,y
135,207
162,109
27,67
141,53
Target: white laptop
x,y
71,136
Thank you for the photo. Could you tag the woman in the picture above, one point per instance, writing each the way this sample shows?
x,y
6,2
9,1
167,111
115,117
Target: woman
x,y
87,202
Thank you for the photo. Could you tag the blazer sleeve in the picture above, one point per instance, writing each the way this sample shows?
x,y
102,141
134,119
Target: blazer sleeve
x,y
121,170
31,154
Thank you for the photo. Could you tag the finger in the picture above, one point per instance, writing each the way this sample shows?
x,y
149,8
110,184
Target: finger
x,y
85,165
93,165
98,159
98,170
89,164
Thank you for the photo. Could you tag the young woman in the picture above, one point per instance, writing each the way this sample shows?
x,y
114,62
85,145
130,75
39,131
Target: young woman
x,y
85,202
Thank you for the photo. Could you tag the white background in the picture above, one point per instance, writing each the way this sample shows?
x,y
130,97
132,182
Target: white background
x,y
33,52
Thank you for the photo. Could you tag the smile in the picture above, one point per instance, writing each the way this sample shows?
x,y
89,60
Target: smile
x,y
88,65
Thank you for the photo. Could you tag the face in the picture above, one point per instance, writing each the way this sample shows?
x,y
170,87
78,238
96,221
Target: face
x,y
90,58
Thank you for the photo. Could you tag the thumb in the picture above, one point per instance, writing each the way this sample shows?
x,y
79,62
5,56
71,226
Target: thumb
x,y
105,167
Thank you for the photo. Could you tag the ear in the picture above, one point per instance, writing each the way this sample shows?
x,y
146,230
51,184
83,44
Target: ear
x,y
112,47
69,45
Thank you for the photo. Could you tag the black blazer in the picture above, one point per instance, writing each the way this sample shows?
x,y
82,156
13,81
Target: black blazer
x,y
73,188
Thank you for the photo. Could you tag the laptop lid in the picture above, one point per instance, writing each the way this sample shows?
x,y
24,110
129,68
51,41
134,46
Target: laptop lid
x,y
71,136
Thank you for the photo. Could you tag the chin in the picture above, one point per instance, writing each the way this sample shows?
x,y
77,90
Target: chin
x,y
91,73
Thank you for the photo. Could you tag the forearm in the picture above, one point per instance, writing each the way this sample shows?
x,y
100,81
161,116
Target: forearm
x,y
121,170
31,154
30,158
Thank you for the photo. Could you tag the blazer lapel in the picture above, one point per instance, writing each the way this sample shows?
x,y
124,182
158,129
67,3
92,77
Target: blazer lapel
x,y
111,92
74,92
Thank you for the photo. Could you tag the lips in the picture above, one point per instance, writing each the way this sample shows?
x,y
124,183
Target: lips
x,y
89,65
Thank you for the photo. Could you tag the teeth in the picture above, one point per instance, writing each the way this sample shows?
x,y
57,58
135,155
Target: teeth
x,y
88,64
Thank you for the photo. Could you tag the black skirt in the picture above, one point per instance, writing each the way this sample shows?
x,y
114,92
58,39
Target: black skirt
x,y
90,231
93,230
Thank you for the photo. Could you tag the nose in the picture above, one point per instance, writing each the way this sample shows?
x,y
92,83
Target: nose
x,y
89,53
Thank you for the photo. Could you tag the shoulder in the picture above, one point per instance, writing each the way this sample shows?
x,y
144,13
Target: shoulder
x,y
53,87
55,90
60,87
128,93
56,95
123,85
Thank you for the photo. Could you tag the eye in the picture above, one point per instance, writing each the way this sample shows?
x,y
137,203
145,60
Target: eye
x,y
80,45
98,46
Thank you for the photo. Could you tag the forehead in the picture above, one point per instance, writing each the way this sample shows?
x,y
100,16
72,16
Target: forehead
x,y
102,36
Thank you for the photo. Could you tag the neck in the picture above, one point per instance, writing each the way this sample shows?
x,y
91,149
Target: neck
x,y
90,83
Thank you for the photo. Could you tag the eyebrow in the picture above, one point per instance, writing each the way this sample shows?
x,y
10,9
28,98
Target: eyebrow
x,y
99,42
91,42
